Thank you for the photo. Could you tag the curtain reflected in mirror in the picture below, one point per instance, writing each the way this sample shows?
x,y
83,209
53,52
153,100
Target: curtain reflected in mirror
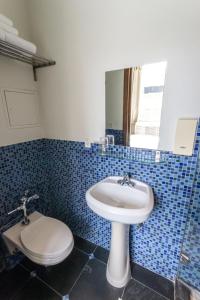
x,y
134,99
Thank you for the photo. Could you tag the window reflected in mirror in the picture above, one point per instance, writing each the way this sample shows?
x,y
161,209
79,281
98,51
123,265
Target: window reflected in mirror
x,y
134,98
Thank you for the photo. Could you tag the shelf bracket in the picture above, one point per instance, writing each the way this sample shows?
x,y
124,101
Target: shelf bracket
x,y
34,74
17,53
51,63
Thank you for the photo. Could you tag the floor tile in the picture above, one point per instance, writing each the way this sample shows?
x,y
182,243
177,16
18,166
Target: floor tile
x,y
63,276
93,285
182,291
29,265
101,254
138,291
154,281
36,290
84,245
12,281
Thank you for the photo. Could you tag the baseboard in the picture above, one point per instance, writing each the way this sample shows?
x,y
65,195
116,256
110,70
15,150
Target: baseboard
x,y
195,295
185,292
161,285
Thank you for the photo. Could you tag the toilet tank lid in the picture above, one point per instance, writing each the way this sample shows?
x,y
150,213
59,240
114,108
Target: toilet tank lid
x,y
46,237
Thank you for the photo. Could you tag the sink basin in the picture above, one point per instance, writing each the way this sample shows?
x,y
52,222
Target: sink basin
x,y
122,205
119,203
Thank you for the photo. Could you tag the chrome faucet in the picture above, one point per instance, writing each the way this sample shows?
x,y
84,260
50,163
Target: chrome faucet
x,y
24,200
126,180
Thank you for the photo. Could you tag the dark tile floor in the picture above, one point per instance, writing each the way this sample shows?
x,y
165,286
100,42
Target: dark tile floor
x,y
82,276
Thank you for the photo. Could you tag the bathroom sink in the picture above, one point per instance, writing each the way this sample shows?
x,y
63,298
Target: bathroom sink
x,y
121,203
130,203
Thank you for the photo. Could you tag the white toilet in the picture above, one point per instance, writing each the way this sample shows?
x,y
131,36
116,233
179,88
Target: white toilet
x,y
45,241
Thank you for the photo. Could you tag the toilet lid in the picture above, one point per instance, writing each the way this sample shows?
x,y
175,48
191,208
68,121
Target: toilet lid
x,y
46,237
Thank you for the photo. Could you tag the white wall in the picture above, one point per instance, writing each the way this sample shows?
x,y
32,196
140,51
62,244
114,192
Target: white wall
x,y
90,37
114,99
15,75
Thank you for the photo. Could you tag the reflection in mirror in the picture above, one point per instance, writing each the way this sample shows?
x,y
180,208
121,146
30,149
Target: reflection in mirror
x,y
134,99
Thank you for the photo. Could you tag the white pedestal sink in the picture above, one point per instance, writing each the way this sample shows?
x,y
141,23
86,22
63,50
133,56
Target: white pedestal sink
x,y
122,205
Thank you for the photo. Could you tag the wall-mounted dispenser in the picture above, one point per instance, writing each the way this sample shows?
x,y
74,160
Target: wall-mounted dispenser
x,y
185,136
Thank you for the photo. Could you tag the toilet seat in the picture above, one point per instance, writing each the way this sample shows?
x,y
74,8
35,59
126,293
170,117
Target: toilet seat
x,y
47,241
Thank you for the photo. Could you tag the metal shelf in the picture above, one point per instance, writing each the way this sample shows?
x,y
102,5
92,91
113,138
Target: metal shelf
x,y
17,53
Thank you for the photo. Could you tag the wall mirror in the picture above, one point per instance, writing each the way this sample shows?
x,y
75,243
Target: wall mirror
x,y
134,98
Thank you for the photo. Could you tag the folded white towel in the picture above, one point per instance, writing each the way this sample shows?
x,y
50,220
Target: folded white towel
x,y
2,35
6,20
8,28
17,41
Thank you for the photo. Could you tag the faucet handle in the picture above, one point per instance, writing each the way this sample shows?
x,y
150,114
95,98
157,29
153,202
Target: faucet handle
x,y
14,210
34,197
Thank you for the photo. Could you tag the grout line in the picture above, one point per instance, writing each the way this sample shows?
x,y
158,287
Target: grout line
x,y
81,272
39,279
78,277
25,268
76,246
88,254
49,286
123,292
151,289
95,248
122,295
84,252
103,262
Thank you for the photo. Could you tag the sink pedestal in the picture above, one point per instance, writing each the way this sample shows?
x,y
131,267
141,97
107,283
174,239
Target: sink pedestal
x,y
118,268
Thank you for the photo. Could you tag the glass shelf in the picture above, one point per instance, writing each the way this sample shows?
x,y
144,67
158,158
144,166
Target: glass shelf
x,y
135,157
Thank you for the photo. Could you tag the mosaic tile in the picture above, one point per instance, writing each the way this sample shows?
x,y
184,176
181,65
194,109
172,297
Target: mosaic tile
x,y
190,272
62,171
157,245
22,167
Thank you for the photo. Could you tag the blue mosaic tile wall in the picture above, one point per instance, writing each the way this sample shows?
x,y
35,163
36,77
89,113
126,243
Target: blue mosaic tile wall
x,y
157,244
22,167
190,272
62,171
